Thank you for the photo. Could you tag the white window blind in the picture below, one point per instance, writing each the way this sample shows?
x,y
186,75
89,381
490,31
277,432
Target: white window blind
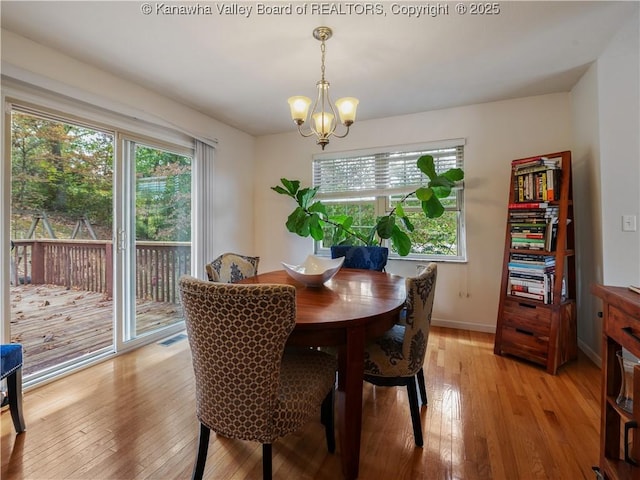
x,y
375,174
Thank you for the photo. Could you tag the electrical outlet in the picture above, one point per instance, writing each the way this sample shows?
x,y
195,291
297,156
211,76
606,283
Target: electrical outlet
x,y
629,223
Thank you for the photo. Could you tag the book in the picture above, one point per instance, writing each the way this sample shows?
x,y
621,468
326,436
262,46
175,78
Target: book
x,y
529,227
535,161
537,290
526,282
516,266
527,276
551,236
527,243
551,189
528,205
534,259
532,296
633,288
521,161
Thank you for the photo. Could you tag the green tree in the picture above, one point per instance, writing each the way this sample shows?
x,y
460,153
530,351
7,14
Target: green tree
x,y
61,169
163,195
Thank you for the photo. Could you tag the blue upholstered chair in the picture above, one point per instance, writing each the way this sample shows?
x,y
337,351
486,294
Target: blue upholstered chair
x,y
364,258
11,369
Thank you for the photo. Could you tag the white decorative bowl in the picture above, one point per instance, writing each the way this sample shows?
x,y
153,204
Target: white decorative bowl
x,y
315,270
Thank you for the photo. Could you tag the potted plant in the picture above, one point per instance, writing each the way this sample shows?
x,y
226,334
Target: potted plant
x,y
310,217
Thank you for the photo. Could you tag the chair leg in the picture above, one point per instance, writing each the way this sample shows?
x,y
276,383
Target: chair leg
x,y
266,461
326,417
415,411
203,448
14,392
423,390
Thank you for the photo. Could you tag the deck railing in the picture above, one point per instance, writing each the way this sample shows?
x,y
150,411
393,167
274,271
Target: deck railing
x,y
88,265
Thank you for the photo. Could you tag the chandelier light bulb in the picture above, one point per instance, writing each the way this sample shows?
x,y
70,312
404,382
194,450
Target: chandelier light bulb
x,y
323,122
347,107
299,106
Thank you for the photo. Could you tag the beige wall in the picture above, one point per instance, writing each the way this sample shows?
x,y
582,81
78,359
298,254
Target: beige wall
x,y
606,121
586,180
495,133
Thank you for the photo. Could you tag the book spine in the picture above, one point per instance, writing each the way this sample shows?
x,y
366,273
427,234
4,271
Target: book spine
x,y
532,296
520,188
528,289
528,205
550,187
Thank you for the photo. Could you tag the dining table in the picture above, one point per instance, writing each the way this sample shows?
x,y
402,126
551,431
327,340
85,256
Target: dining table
x,y
344,313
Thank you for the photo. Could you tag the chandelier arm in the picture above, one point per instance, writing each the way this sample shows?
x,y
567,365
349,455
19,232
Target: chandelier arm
x,y
305,135
334,124
341,136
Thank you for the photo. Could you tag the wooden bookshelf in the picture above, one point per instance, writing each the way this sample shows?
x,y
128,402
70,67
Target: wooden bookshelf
x,y
537,310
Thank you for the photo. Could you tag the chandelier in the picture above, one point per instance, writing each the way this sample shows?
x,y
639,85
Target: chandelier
x,y
323,114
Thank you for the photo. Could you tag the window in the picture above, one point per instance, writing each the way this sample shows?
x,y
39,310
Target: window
x,y
368,184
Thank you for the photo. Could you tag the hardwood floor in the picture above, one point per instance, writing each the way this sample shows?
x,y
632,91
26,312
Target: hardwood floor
x,y
489,417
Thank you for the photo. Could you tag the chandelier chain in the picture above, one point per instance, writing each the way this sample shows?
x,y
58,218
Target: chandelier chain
x,y
323,51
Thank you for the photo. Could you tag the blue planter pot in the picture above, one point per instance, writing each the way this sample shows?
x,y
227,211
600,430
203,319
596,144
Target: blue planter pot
x,y
363,257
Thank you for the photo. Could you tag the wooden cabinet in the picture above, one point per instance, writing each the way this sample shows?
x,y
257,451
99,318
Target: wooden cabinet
x,y
537,310
619,453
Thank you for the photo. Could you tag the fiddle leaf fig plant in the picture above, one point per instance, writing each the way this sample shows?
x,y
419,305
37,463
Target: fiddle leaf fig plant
x,y
310,217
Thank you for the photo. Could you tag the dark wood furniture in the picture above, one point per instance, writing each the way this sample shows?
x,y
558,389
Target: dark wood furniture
x,y
544,333
619,443
350,308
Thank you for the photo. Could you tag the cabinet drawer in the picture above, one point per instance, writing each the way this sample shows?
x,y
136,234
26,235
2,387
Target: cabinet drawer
x,y
624,329
525,344
529,317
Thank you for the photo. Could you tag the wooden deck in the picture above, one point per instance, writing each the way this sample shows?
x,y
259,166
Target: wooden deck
x,y
55,324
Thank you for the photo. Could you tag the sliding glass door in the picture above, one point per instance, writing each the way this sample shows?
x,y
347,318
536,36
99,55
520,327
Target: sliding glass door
x,y
100,232
158,250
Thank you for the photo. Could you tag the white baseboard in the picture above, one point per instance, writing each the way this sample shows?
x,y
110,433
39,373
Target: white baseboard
x,y
475,327
593,356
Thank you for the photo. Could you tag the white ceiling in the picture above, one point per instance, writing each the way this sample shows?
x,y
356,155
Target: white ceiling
x,y
241,70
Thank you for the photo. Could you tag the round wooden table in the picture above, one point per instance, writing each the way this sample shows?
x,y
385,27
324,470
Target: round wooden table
x,y
347,310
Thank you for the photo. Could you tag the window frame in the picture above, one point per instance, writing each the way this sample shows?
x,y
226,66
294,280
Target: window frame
x,y
382,196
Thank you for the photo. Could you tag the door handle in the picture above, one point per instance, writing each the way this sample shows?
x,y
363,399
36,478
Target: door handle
x,y
121,240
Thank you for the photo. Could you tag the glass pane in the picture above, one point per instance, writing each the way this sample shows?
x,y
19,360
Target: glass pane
x,y
434,236
363,214
61,241
163,235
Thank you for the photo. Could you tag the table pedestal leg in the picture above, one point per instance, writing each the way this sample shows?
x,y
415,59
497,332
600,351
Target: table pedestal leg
x,y
349,400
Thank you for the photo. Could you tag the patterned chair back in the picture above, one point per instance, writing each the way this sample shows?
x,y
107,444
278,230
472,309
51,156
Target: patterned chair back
x,y
237,335
419,305
232,267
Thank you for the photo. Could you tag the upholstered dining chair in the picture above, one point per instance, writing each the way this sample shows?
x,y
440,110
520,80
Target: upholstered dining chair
x,y
11,369
362,257
247,386
397,358
232,267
